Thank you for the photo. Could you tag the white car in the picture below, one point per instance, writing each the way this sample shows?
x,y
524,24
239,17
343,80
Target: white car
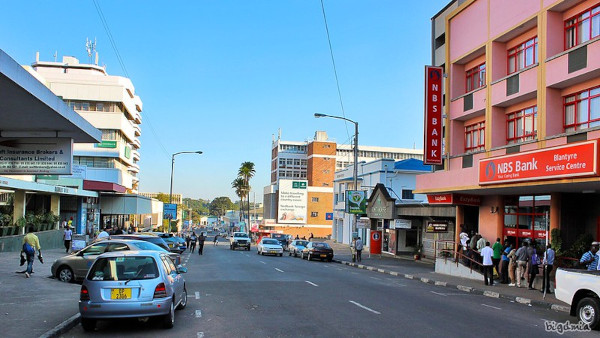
x,y
269,246
581,290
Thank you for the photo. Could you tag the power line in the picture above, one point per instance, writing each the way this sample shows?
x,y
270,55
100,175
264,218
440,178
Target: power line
x,y
122,64
337,82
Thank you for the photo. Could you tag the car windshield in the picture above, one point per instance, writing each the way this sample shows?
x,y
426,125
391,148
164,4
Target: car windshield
x,y
302,243
241,234
321,245
143,245
278,236
123,268
270,241
156,240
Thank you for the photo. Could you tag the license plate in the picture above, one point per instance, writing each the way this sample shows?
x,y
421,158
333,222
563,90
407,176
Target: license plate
x,y
323,255
272,251
120,293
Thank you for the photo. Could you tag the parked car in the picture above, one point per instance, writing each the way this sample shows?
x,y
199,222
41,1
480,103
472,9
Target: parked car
x,y
175,244
318,250
297,246
282,238
132,284
581,290
152,239
269,246
76,265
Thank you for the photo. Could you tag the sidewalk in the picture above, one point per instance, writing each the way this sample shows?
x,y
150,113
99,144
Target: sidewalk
x,y
424,271
33,306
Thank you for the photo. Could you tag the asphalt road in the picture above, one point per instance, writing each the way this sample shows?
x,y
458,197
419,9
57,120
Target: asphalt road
x,y
242,294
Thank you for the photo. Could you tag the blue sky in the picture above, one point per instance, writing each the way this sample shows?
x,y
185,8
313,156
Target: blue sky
x,y
223,76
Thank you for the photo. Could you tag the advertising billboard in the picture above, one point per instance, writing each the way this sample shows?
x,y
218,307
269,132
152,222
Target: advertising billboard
x,y
31,156
432,151
169,211
292,201
356,201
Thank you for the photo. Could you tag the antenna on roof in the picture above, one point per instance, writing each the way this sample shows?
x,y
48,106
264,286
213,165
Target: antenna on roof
x,y
55,55
90,47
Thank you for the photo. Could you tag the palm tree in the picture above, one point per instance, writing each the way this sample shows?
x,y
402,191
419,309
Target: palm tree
x,y
240,189
246,172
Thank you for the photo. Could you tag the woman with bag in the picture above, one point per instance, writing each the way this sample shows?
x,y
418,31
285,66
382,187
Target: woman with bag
x,y
533,267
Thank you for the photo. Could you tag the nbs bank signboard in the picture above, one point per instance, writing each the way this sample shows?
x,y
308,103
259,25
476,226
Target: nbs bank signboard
x,y
576,160
432,151
29,156
292,201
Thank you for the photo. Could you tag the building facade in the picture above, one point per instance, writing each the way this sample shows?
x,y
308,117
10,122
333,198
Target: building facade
x,y
522,117
315,163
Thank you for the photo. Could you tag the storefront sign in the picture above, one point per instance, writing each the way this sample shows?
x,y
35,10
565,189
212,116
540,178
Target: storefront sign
x,y
456,199
437,227
106,144
170,211
30,156
433,115
292,207
401,224
559,162
356,201
363,223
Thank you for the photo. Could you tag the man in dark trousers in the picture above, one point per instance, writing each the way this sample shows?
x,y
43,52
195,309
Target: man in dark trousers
x,y
201,240
358,246
193,242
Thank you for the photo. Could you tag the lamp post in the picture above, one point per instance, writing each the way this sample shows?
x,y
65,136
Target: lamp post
x,y
172,167
355,172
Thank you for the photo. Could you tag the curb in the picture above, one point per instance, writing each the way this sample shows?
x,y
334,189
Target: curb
x,y
486,293
63,327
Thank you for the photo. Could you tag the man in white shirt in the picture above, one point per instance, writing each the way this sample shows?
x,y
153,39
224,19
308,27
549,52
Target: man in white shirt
x,y
103,234
488,265
67,236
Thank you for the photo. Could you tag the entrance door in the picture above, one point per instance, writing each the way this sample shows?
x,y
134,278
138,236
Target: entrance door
x,y
471,220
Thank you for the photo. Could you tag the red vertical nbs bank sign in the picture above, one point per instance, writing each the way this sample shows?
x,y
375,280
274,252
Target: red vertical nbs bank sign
x,y
433,115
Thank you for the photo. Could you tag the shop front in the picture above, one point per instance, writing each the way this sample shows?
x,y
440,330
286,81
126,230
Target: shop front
x,y
381,209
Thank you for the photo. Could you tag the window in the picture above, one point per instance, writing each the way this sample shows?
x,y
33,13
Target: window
x,y
315,199
582,110
407,195
476,77
521,125
282,163
582,27
314,214
475,137
523,55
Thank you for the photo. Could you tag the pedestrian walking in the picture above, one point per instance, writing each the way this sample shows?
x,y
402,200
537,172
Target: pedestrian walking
x,y
353,249
512,265
533,266
67,237
521,262
590,258
31,243
549,256
187,240
193,240
488,265
497,247
359,247
505,264
201,240
216,240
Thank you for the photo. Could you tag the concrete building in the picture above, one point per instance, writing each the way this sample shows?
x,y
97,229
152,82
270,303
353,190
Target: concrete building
x,y
307,170
110,104
522,116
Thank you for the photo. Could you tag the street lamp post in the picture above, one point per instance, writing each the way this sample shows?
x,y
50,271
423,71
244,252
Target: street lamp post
x,y
355,172
173,166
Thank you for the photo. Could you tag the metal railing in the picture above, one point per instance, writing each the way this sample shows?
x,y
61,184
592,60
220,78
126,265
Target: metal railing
x,y
447,249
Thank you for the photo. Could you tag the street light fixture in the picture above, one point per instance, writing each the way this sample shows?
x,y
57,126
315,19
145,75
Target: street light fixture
x,y
173,165
355,173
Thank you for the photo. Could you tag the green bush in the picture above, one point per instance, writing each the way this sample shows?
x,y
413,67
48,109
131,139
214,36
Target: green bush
x,y
580,246
556,241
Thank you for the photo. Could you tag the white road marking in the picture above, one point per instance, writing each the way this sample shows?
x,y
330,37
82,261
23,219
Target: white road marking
x,y
311,283
279,270
197,295
493,307
364,307
247,255
198,314
375,278
439,294
200,335
263,262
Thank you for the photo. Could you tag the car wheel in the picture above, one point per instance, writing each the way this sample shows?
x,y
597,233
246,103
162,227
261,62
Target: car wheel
x,y
309,257
169,318
262,253
183,301
88,324
588,312
65,274
281,254
290,253
295,253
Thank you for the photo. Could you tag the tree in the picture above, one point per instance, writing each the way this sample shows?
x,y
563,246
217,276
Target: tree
x,y
241,190
162,197
246,172
220,205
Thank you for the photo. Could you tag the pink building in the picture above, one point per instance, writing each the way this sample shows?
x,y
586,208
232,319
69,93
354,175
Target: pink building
x,y
522,122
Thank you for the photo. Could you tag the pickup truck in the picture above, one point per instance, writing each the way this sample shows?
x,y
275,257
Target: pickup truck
x,y
581,290
239,240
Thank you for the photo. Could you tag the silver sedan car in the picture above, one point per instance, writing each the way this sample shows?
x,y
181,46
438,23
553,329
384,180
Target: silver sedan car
x,y
131,284
297,246
75,266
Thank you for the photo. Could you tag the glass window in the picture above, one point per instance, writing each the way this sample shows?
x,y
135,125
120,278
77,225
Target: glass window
x,y
475,77
475,137
94,249
582,27
523,55
582,110
521,125
124,268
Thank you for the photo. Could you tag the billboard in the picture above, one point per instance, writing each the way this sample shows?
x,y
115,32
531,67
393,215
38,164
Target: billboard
x,y
169,211
292,201
356,201
432,153
31,156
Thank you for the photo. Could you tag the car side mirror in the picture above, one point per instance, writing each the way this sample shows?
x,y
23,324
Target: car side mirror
x,y
181,269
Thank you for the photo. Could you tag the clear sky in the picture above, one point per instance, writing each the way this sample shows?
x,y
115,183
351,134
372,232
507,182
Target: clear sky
x,y
222,76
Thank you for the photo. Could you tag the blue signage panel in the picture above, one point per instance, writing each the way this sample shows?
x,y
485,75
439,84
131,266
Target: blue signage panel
x,y
329,216
169,211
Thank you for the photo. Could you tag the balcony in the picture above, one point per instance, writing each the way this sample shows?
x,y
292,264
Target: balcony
x,y
134,168
137,130
136,155
515,88
136,143
468,105
574,66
